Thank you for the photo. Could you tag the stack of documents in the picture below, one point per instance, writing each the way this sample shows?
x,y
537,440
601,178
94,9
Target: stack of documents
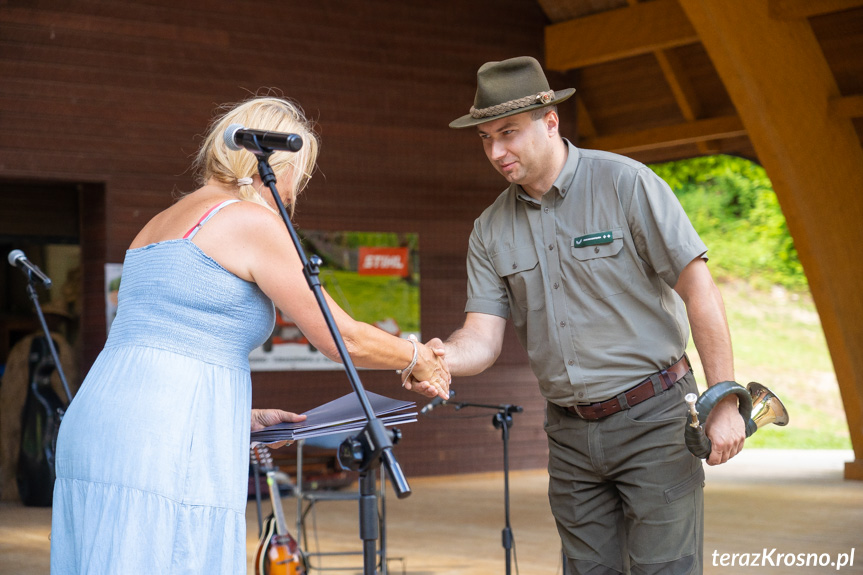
x,y
342,415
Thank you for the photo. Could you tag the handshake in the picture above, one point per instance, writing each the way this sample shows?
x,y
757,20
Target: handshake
x,y
430,376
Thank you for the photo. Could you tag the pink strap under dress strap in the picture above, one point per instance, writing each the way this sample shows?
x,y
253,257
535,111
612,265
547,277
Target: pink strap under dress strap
x,y
206,218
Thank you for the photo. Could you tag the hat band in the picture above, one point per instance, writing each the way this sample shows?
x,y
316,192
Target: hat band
x,y
541,98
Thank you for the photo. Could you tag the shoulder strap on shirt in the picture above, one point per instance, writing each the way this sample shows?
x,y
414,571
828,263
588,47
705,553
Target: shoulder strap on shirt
x,y
206,218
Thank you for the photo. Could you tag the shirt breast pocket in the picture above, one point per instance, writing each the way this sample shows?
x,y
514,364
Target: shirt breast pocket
x,y
520,269
601,268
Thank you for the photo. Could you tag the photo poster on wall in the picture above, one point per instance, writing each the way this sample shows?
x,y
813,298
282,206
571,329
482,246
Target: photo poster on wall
x,y
373,276
113,273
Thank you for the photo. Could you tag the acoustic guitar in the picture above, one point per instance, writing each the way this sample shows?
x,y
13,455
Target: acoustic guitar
x,y
278,552
40,422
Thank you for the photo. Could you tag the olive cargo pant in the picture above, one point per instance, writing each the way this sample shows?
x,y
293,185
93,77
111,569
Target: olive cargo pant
x,y
626,493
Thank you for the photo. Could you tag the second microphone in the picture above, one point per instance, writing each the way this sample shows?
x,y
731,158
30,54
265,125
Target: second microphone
x,y
238,137
436,402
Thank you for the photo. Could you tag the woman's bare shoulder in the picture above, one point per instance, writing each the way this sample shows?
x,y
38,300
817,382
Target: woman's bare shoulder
x,y
252,217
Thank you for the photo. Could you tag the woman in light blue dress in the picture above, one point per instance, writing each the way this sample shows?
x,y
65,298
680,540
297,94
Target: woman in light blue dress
x,y
152,455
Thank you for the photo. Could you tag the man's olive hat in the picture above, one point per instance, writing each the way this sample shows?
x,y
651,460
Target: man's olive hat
x,y
507,88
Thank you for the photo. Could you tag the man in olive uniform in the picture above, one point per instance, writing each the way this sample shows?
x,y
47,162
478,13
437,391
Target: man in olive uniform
x,y
592,256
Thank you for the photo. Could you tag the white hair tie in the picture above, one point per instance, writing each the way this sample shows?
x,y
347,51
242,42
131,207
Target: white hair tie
x,y
244,181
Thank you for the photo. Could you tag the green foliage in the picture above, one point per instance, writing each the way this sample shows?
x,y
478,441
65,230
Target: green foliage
x,y
732,205
778,342
353,240
776,333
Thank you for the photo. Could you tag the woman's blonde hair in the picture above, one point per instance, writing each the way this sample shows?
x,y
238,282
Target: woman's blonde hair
x,y
215,160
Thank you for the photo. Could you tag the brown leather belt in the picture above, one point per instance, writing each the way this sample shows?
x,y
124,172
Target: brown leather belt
x,y
635,395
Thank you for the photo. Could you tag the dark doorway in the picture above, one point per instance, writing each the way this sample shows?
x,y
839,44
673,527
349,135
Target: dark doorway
x,y
60,227
42,219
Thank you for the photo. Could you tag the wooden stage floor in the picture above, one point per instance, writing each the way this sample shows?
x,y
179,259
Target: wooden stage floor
x,y
793,502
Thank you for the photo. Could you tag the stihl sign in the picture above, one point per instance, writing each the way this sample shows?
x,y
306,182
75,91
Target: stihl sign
x,y
383,262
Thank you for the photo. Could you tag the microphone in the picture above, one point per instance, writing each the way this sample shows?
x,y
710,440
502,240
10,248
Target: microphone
x,y
19,260
436,402
238,137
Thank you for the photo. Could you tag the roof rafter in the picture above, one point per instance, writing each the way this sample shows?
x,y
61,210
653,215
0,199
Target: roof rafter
x,y
616,34
666,136
681,87
799,9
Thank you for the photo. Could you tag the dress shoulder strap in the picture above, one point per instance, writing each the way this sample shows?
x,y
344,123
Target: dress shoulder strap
x,y
206,218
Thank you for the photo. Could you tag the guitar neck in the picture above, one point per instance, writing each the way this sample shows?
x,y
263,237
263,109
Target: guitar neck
x,y
276,500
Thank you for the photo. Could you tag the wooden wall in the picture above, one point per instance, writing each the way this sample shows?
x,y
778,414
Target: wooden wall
x,y
114,95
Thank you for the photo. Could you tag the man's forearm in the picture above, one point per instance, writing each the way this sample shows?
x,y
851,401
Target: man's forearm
x,y
706,312
476,346
465,356
711,336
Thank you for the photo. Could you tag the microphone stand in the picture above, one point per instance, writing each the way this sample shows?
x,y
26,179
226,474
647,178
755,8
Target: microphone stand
x,y
502,420
256,471
31,291
365,451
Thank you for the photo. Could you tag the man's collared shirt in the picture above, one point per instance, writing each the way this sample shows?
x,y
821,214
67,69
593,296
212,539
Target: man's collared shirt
x,y
586,274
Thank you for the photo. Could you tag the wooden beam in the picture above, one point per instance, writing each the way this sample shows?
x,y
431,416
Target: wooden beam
x,y
847,107
666,136
617,34
814,160
678,81
684,93
799,9
681,88
585,124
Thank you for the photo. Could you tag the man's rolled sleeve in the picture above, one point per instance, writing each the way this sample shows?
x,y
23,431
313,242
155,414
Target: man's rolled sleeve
x,y
663,235
486,291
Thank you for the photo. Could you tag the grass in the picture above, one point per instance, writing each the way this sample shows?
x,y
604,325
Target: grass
x,y
778,342
375,298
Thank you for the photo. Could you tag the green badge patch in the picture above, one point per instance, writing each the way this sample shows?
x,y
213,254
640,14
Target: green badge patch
x,y
593,239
